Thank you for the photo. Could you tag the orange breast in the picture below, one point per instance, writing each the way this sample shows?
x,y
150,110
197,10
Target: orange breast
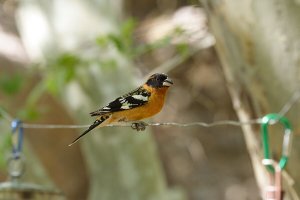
x,y
155,104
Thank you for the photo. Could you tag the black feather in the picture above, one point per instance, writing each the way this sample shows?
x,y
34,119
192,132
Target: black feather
x,y
94,125
157,80
127,99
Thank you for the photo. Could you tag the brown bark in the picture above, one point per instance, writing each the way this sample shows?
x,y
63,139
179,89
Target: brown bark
x,y
258,44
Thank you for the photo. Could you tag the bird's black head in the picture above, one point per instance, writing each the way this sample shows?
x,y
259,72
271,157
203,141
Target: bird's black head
x,y
159,80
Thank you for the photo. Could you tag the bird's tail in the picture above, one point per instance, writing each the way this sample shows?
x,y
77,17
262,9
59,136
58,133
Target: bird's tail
x,y
94,125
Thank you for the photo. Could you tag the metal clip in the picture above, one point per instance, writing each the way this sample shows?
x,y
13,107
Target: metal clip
x,y
286,146
17,138
16,165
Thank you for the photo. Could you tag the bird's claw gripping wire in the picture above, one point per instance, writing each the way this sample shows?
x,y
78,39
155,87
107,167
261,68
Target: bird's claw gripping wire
x,y
139,126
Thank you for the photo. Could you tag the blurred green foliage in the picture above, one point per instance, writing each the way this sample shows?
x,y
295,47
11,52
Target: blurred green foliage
x,y
5,144
65,67
125,43
183,49
5,138
122,41
60,72
10,84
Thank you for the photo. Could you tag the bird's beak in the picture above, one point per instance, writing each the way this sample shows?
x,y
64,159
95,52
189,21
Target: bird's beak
x,y
168,82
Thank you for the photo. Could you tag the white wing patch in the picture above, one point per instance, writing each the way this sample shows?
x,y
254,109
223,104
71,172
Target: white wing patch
x,y
122,100
140,97
125,106
106,109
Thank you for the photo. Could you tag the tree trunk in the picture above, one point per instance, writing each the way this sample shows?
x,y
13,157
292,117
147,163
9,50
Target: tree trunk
x,y
258,44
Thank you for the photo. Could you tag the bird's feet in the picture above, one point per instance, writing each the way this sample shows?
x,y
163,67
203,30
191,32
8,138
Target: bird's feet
x,y
139,126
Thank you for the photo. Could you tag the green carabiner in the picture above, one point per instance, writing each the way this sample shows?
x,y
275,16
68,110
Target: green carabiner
x,y
286,146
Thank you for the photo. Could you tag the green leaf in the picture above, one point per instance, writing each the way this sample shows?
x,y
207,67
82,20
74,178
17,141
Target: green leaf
x,y
29,112
122,41
128,28
102,41
182,49
61,71
52,85
109,64
116,41
68,60
11,83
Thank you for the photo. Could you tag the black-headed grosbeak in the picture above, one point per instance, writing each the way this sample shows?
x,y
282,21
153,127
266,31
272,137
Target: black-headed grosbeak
x,y
143,102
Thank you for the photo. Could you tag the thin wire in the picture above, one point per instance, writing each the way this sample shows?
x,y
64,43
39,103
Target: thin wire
x,y
290,103
285,109
203,124
53,126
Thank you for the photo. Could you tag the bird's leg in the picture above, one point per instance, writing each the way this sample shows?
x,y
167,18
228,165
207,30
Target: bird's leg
x,y
139,125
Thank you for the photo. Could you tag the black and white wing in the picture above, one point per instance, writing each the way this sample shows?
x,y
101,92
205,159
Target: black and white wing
x,y
134,99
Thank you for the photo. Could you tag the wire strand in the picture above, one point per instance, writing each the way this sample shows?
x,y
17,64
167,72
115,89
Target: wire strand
x,y
53,126
284,110
208,125
290,103
203,124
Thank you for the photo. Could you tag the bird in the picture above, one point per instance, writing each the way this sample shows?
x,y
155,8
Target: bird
x,y
143,102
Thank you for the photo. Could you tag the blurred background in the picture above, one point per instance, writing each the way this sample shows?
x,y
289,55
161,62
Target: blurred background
x,y
60,60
